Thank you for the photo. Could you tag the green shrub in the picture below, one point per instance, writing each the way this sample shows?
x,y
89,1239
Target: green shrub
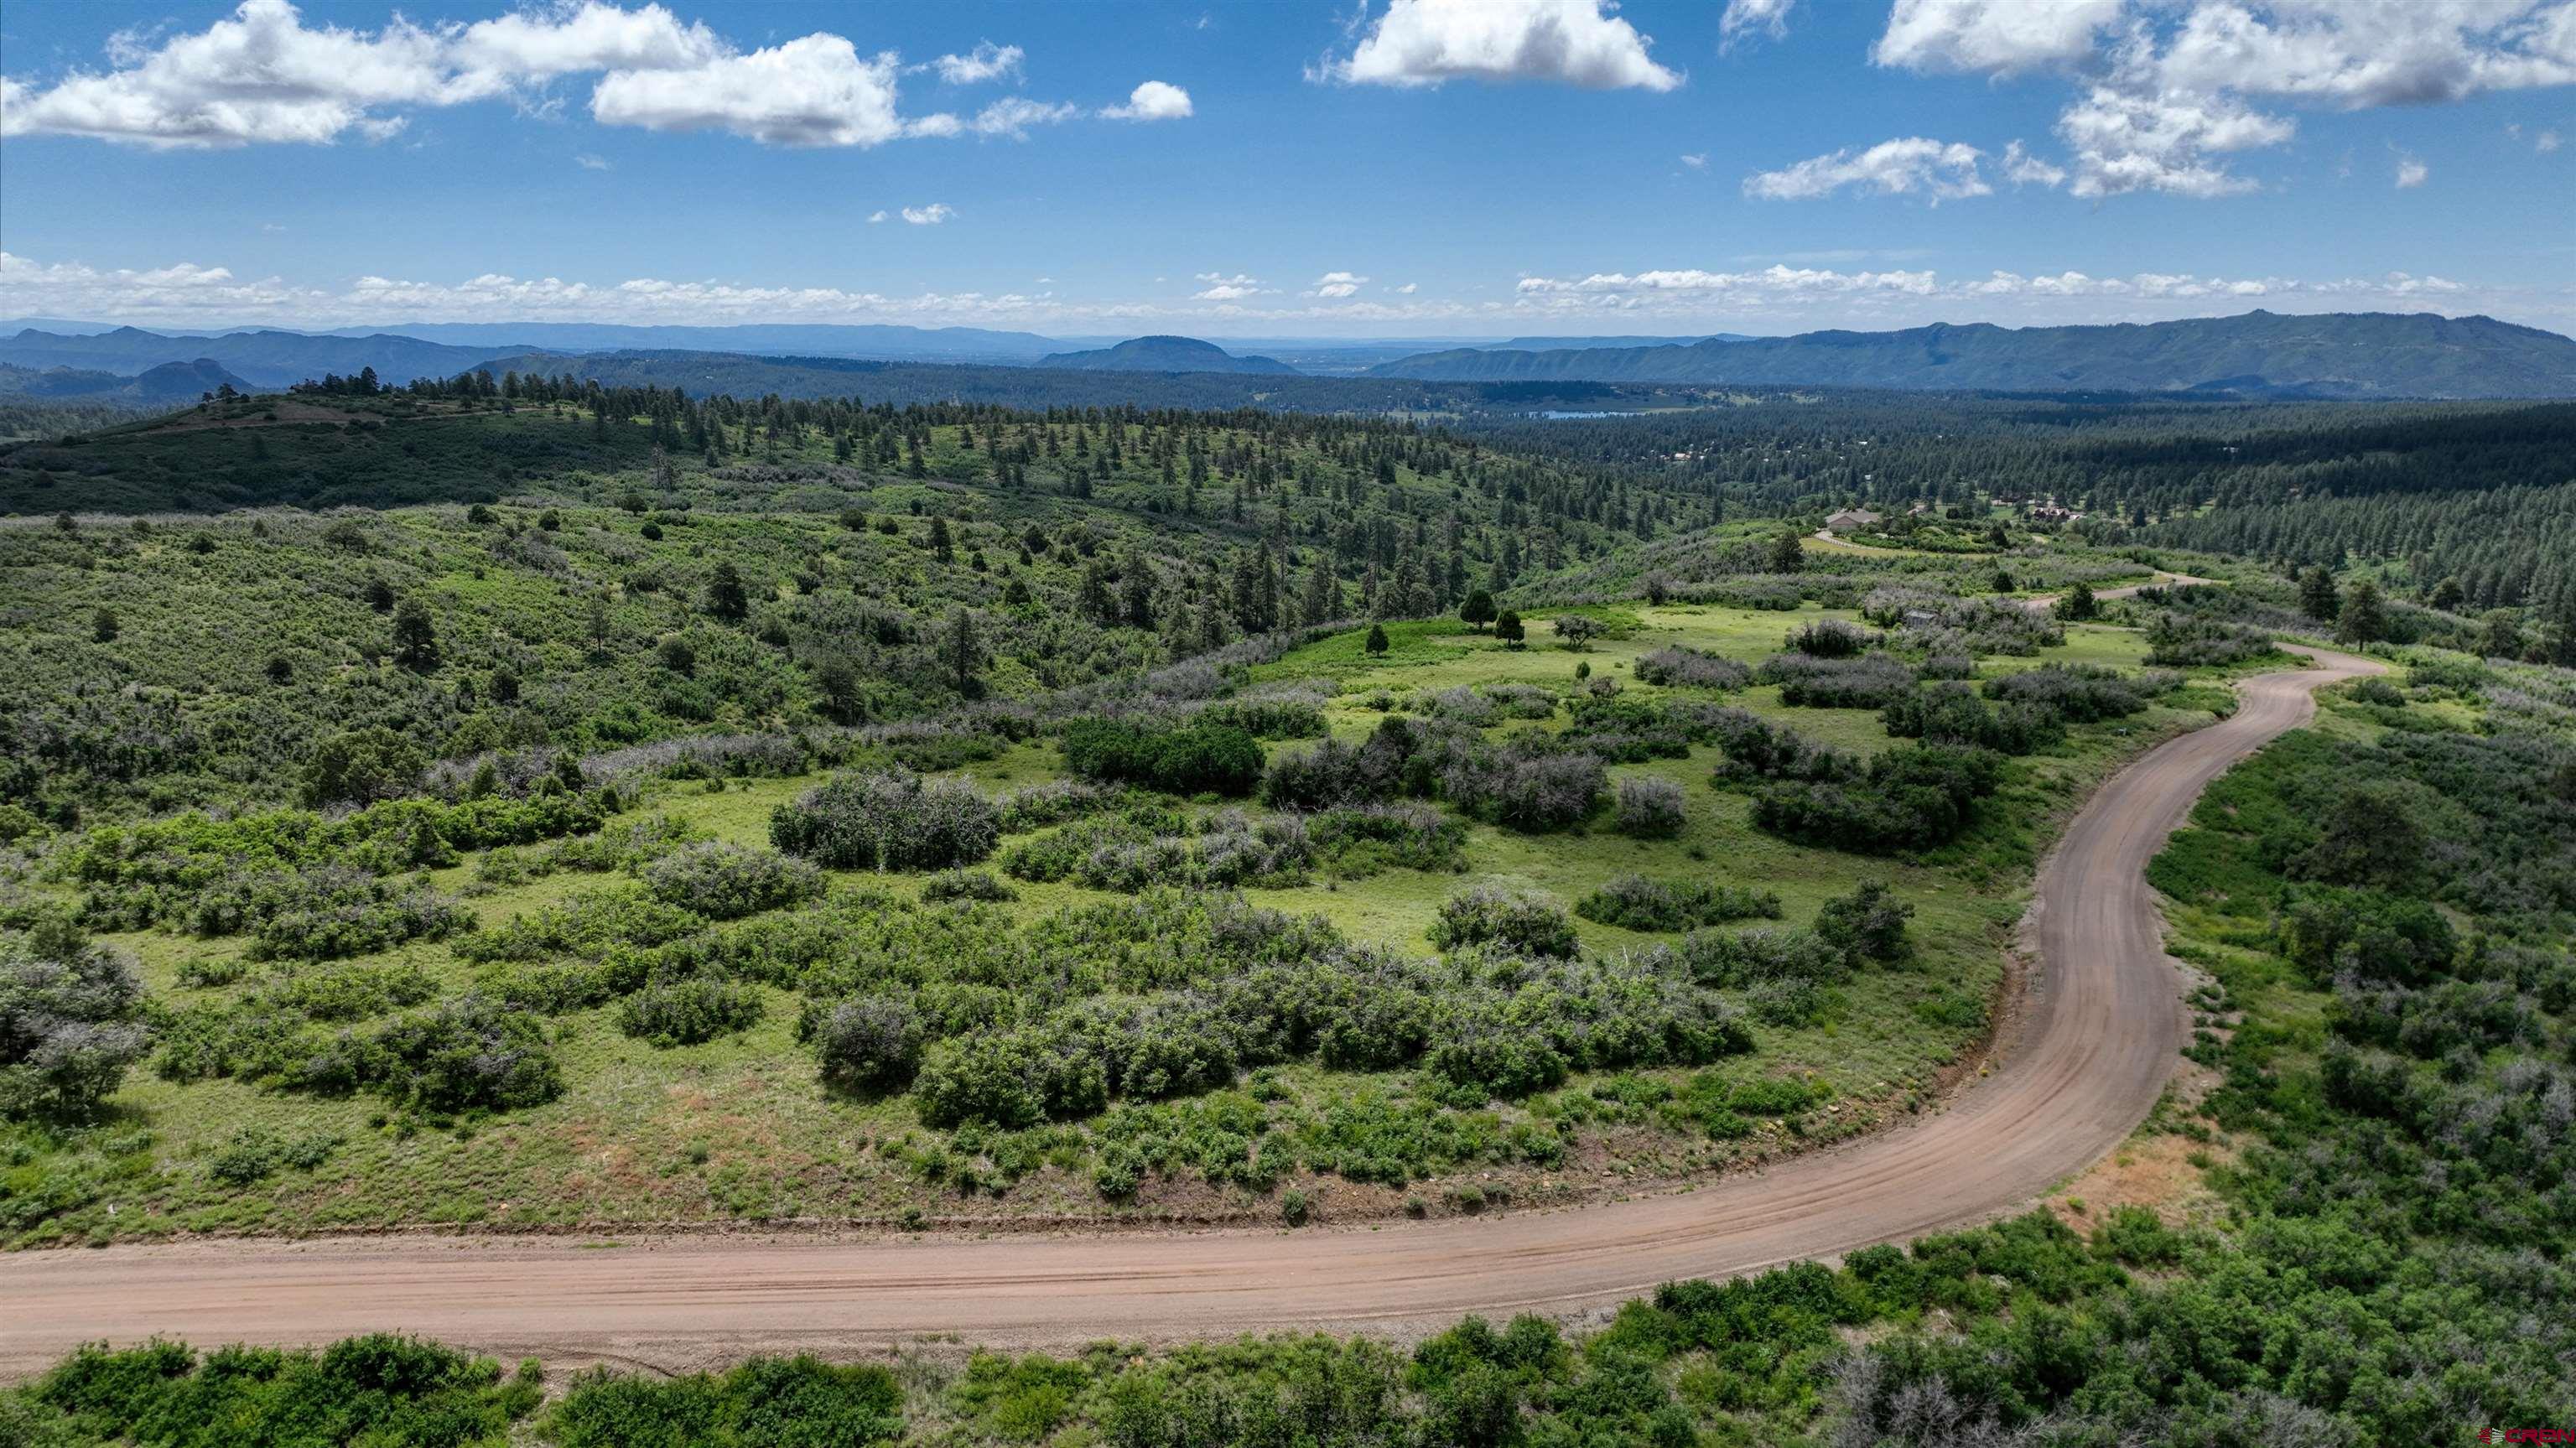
x,y
686,1012
1910,798
887,820
361,766
867,1043
965,885
725,881
373,1390
469,1054
1519,922
1651,808
1867,925
2077,693
71,1022
764,1403
1637,903
1951,713
1197,759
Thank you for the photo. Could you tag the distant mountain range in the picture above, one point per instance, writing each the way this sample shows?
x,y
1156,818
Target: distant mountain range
x,y
1164,354
2332,355
2259,353
1555,344
265,359
172,382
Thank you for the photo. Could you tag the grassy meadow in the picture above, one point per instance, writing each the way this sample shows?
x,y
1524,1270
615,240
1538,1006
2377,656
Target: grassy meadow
x,y
739,1129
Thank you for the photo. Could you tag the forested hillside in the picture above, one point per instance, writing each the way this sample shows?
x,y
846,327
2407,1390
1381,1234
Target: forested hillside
x,y
1031,386
2325,355
2475,493
819,563
1165,354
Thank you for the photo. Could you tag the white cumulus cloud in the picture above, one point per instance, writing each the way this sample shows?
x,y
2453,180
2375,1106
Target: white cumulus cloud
x,y
265,74
2022,168
813,91
1012,116
2411,173
2170,141
1338,284
1223,288
195,296
1992,36
931,215
262,74
1152,101
2167,91
1768,16
986,61
1569,42
1908,166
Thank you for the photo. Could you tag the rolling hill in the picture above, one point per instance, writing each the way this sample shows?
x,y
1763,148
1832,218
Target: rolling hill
x,y
1559,344
1164,354
2330,355
172,382
264,358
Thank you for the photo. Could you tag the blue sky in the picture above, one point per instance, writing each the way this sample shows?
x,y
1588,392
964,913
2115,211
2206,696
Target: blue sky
x,y
1434,167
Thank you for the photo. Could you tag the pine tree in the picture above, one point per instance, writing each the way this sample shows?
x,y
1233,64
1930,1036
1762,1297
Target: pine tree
x,y
1094,599
415,637
838,683
2363,618
1318,605
963,649
727,598
1136,584
1376,640
1478,610
1788,555
2561,637
2317,595
1507,627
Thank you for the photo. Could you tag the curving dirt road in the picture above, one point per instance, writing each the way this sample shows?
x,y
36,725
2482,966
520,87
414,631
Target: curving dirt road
x,y
2095,1043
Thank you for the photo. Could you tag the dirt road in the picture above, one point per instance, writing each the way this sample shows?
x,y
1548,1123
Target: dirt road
x,y
2127,590
2095,1042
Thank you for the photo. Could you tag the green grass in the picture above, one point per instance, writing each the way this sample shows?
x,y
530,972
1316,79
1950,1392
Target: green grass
x,y
738,1128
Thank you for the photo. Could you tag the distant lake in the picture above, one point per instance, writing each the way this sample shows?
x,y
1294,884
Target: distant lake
x,y
1562,416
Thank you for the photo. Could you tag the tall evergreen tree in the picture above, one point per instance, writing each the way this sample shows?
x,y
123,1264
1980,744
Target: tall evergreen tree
x,y
2363,619
962,650
2317,598
415,637
727,597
